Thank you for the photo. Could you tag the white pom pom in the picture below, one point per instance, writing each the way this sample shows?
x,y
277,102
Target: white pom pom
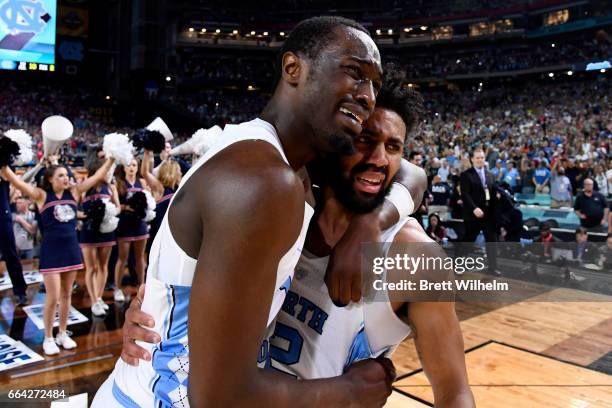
x,y
203,139
110,221
24,140
119,147
151,204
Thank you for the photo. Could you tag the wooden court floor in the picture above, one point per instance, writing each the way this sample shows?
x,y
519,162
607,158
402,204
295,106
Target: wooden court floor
x,y
553,349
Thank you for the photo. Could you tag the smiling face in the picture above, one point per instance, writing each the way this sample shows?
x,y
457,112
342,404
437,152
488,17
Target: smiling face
x,y
360,181
340,89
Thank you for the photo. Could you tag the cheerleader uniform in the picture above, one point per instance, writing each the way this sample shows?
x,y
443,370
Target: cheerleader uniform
x,y
130,227
59,250
88,237
160,211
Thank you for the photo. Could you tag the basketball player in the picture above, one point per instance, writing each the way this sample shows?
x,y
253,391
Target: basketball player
x,y
233,234
313,338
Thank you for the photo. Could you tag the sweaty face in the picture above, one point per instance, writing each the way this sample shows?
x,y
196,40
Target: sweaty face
x,y
340,90
360,181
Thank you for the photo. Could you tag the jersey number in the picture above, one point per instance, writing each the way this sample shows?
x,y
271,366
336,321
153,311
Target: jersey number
x,y
291,354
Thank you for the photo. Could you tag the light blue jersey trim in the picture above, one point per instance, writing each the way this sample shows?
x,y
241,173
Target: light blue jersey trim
x,y
122,398
360,349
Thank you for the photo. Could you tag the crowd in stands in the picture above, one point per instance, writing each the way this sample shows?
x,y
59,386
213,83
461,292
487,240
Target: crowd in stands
x,y
419,63
531,131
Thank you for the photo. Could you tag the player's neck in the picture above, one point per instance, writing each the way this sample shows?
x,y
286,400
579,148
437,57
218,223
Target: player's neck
x,y
333,220
291,131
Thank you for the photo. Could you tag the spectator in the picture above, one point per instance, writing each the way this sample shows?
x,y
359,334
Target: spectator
x,y
527,182
24,228
444,171
573,174
541,178
498,171
561,188
590,206
440,192
512,177
584,253
547,239
601,180
435,229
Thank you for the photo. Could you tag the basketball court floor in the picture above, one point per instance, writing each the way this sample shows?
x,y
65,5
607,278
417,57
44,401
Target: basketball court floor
x,y
553,348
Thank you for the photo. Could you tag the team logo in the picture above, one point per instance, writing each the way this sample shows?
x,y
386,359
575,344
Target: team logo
x,y
23,16
63,213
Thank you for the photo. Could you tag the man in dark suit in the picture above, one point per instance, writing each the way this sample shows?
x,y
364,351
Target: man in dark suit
x,y
479,198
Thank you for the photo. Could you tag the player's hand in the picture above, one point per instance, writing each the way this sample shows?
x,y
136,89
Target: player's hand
x,y
478,213
343,276
132,331
370,382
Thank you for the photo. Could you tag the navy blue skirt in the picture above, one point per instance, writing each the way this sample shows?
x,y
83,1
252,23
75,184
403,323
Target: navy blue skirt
x,y
60,254
131,228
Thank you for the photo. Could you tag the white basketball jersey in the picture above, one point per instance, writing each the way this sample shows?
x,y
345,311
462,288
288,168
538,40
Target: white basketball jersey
x,y
164,380
313,338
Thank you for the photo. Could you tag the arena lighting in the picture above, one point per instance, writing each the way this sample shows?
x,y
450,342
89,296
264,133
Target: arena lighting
x,y
390,31
282,33
203,30
550,74
378,32
458,61
191,29
217,31
265,33
570,73
480,84
168,78
552,45
407,29
107,98
252,32
423,28
235,32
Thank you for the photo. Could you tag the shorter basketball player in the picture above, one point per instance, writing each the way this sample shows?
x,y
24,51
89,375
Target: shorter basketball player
x,y
312,338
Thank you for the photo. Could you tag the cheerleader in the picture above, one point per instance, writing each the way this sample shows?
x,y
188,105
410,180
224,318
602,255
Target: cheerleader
x,y
60,257
162,187
95,245
131,229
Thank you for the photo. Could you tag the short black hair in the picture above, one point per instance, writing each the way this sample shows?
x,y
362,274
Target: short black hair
x,y
395,95
312,35
475,150
413,154
581,230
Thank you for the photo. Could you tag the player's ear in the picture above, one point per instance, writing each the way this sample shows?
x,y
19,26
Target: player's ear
x,y
292,67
